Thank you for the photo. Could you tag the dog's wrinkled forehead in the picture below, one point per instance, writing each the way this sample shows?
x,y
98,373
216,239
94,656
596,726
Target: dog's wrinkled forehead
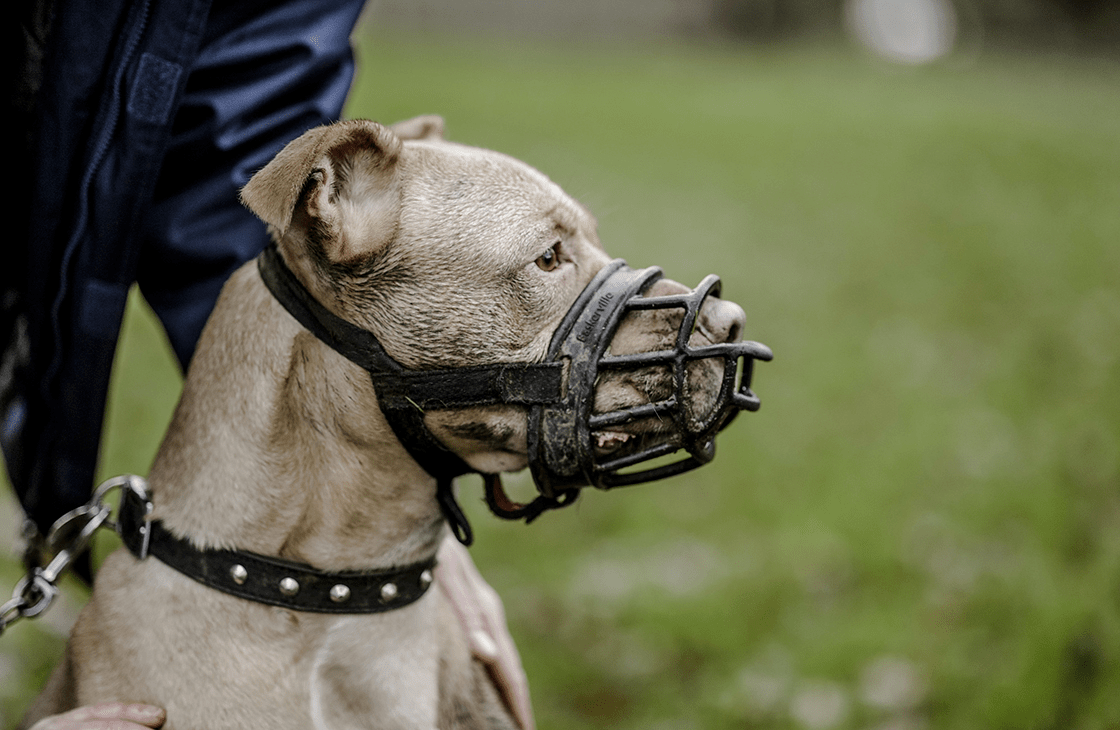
x,y
504,206
472,223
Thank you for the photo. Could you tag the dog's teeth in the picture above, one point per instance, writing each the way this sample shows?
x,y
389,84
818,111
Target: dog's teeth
x,y
611,439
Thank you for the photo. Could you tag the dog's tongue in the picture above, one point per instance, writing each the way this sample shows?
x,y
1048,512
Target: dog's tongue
x,y
496,495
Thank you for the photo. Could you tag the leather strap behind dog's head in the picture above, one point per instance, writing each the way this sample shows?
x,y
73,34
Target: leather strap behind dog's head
x,y
397,387
352,342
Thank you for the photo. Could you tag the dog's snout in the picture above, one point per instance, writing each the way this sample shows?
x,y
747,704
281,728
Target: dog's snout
x,y
666,288
722,321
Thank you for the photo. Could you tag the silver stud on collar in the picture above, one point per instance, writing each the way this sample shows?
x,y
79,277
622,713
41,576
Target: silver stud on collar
x,y
425,579
238,574
289,586
340,593
388,591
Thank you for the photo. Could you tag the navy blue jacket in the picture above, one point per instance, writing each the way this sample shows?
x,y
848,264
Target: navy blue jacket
x,y
149,117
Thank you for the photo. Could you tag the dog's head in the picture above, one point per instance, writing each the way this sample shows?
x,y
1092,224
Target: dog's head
x,y
454,256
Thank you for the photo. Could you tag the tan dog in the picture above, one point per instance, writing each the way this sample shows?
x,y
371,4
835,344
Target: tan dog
x,y
452,256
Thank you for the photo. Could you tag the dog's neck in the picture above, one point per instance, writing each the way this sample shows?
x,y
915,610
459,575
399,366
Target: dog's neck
x,y
278,447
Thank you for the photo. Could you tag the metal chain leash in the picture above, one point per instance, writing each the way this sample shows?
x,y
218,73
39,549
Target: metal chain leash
x,y
69,537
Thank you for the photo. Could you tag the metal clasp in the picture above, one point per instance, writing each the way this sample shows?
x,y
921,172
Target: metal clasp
x,y
69,537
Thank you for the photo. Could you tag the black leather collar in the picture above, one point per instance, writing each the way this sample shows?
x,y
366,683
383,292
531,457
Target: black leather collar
x,y
273,581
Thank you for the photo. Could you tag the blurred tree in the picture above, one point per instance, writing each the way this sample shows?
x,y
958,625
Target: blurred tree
x,y
1070,23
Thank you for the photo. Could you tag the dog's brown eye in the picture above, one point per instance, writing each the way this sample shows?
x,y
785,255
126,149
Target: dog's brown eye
x,y
550,259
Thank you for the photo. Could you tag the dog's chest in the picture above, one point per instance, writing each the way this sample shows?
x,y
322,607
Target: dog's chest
x,y
376,674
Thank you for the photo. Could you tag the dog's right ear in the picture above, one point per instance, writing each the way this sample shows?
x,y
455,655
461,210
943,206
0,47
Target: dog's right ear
x,y
340,180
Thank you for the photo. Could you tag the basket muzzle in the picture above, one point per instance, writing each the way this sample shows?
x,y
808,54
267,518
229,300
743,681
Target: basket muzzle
x,y
708,384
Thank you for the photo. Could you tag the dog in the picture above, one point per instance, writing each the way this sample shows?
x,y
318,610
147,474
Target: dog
x,y
452,256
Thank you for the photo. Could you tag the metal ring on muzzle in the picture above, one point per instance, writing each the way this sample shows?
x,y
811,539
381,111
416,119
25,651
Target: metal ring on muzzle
x,y
562,454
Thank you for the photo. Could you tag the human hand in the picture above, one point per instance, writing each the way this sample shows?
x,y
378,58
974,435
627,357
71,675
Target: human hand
x,y
483,618
105,716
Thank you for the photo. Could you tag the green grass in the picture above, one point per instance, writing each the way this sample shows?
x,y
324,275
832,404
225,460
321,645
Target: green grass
x,y
922,524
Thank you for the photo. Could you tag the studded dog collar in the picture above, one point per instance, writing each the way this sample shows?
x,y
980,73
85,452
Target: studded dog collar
x,y
273,581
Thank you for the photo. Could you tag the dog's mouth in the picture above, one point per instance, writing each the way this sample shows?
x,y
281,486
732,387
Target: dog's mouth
x,y
651,389
618,444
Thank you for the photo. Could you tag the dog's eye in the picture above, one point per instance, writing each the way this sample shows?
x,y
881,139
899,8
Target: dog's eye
x,y
550,259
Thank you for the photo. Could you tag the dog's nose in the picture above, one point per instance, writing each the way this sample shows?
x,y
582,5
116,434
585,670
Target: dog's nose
x,y
721,320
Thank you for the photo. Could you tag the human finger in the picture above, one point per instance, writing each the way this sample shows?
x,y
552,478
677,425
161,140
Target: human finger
x,y
482,616
106,716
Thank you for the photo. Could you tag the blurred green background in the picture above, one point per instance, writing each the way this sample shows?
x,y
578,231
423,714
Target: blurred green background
x,y
921,527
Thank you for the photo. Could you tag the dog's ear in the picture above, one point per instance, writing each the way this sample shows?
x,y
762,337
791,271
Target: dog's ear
x,y
343,176
429,126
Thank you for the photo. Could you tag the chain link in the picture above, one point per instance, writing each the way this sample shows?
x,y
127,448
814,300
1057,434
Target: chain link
x,y
11,611
69,537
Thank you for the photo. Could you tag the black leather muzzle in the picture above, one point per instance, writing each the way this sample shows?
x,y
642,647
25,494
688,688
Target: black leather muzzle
x,y
563,453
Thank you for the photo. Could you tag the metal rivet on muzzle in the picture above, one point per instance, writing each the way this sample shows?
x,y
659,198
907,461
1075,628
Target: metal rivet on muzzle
x,y
388,592
340,593
238,574
289,586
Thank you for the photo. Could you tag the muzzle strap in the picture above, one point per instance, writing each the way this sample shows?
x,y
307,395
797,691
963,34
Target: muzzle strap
x,y
357,345
523,384
512,383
